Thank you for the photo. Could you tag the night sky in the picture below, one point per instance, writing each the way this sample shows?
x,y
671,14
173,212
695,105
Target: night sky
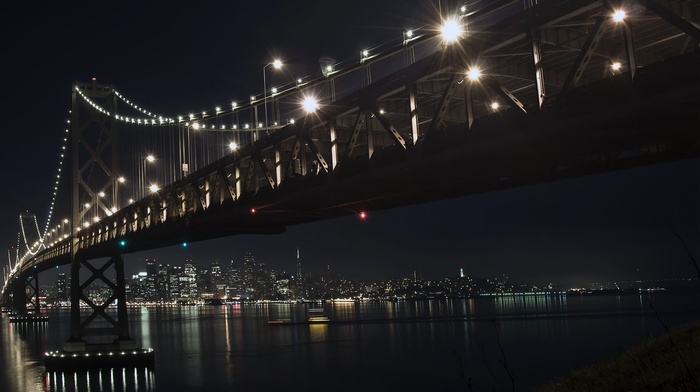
x,y
177,58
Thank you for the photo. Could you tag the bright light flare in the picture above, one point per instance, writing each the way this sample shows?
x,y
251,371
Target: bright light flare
x,y
474,73
232,146
195,125
154,188
451,30
619,16
150,158
494,105
310,104
277,64
616,66
363,215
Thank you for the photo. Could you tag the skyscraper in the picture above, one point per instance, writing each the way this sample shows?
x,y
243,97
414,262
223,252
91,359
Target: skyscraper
x,y
61,287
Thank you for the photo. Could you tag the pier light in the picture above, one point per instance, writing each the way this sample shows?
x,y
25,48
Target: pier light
x,y
451,30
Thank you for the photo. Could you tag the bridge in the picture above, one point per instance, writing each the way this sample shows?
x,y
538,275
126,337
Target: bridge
x,y
504,95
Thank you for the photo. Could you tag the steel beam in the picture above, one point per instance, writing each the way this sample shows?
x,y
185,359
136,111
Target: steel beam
x,y
334,143
444,104
413,106
534,37
352,142
585,55
676,20
504,93
393,133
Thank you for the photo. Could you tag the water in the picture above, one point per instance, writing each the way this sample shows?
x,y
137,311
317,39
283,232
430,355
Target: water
x,y
378,346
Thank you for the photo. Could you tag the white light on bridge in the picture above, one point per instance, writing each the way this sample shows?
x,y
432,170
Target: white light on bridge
x,y
451,30
277,64
310,104
195,125
473,73
619,16
616,66
121,179
150,158
154,188
494,105
233,146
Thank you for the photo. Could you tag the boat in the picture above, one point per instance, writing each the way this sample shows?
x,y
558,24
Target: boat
x,y
316,315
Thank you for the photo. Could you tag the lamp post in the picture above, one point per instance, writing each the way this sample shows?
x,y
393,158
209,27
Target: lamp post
x,y
277,64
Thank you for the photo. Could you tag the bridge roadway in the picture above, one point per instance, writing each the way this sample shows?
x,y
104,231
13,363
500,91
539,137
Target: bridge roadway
x,y
607,125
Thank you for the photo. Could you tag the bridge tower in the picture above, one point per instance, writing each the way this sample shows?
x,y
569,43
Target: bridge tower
x,y
25,292
94,168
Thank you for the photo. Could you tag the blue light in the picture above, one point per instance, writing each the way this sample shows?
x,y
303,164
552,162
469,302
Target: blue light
x,y
122,243
184,244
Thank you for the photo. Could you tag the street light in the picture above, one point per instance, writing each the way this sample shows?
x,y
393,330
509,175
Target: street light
x,y
277,64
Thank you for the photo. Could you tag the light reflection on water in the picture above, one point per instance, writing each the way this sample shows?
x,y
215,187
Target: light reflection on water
x,y
383,345
126,379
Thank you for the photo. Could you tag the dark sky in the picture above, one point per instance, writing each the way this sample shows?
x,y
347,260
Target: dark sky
x,y
175,57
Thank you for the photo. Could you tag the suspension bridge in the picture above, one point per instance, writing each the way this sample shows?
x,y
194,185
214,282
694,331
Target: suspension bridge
x,y
508,94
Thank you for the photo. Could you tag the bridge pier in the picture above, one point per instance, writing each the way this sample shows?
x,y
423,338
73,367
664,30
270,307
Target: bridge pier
x,y
26,307
89,345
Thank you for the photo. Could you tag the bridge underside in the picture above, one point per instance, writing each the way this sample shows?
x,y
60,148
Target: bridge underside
x,y
603,128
